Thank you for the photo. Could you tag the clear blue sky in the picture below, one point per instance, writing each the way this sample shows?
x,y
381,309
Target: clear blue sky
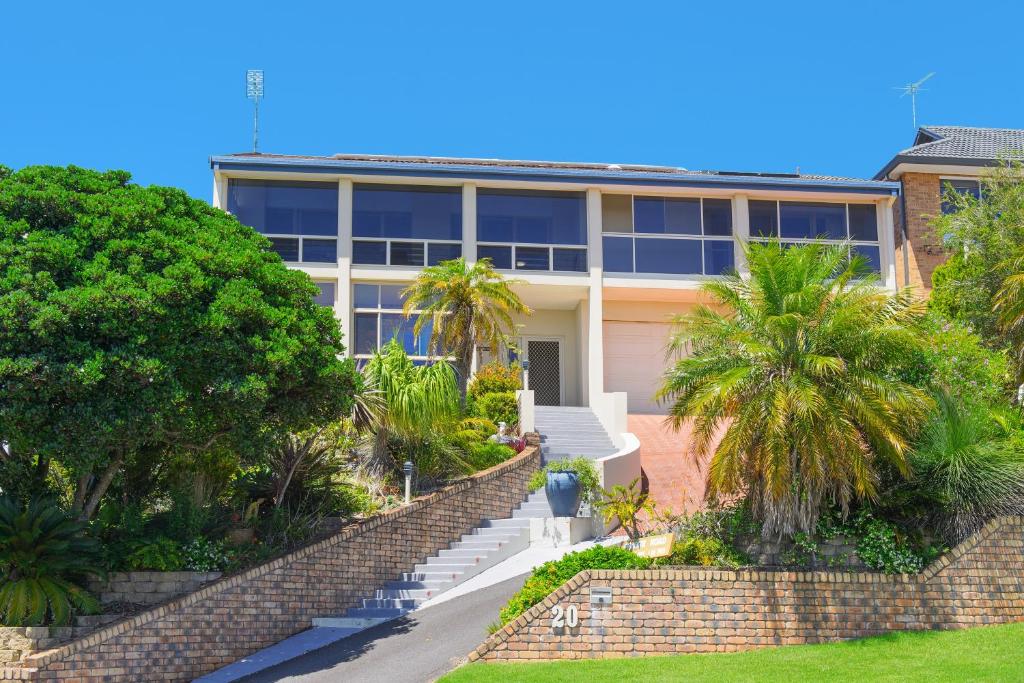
x,y
721,85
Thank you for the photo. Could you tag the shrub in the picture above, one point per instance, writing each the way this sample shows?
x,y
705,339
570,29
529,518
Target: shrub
x,y
961,364
498,407
626,503
582,467
703,551
488,454
550,575
162,555
204,555
42,554
495,378
969,467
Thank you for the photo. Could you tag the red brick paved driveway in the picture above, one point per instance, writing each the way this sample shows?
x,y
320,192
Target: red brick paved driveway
x,y
674,478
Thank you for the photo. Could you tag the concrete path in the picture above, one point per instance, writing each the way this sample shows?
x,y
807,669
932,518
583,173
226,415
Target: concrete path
x,y
419,647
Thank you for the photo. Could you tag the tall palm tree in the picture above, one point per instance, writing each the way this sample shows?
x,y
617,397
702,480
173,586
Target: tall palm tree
x,y
792,362
468,306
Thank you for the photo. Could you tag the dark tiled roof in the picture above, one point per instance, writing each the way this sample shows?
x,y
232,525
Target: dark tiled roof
x,y
962,142
603,168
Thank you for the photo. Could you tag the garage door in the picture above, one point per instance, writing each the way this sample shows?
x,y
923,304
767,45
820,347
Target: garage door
x,y
634,360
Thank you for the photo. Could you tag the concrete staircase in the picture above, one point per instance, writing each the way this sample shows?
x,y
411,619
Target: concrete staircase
x,y
567,432
494,541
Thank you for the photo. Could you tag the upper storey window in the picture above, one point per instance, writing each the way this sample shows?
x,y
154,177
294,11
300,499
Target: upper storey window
x,y
795,222
520,230
301,219
401,225
964,187
667,235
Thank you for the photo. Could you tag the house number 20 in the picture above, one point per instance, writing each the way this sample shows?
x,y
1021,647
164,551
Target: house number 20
x,y
560,618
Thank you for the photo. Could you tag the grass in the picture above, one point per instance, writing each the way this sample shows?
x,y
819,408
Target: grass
x,y
991,653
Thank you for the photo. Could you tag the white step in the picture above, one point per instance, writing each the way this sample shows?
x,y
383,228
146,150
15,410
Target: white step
x,y
348,622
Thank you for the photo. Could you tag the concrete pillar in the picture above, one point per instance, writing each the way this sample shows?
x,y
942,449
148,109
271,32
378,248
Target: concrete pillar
x,y
741,229
595,300
469,222
886,241
220,192
343,306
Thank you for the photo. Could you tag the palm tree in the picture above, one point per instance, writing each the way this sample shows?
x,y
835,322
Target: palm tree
x,y
468,306
792,363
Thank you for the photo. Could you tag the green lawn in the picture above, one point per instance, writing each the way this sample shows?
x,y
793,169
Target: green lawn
x,y
994,653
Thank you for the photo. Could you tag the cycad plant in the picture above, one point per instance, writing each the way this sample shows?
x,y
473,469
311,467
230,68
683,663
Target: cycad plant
x,y
42,552
468,306
793,363
969,467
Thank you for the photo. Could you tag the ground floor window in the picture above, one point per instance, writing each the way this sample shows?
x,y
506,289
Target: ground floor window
x,y
378,318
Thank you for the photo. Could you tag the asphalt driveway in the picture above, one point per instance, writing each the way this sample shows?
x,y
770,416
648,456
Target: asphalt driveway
x,y
420,647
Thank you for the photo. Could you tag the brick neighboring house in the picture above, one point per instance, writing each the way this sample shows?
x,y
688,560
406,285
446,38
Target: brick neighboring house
x,y
941,156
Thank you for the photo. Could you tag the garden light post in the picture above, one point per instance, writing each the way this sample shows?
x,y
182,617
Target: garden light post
x,y
408,479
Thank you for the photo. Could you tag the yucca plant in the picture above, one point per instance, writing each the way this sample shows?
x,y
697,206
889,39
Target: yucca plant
x,y
414,405
969,467
43,552
792,364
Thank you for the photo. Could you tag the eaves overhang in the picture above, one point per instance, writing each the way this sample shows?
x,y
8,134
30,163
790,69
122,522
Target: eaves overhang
x,y
535,174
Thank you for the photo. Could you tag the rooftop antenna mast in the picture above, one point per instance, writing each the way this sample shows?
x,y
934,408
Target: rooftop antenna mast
x,y
254,91
912,89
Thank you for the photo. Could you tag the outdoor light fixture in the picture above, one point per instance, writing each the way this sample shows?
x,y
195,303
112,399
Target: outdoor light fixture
x,y
407,467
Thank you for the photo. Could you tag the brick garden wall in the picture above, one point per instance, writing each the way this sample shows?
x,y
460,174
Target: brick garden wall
x,y
667,611
238,615
147,588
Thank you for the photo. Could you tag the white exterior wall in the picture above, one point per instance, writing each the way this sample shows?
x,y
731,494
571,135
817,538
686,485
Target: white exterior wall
x,y
586,301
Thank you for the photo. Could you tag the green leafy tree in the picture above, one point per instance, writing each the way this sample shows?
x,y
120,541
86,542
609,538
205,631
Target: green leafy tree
x,y
469,307
42,554
793,365
985,238
137,320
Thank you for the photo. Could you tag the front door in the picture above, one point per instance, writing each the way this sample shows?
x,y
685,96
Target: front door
x,y
544,377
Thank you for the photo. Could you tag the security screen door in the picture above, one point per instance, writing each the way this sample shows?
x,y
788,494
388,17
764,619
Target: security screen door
x,y
545,374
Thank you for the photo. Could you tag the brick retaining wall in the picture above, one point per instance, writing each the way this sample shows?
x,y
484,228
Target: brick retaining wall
x,y
238,615
676,611
147,588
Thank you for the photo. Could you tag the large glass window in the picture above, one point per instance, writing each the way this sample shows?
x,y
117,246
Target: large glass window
x,y
964,187
802,222
531,217
666,216
288,213
668,235
764,218
812,220
659,255
378,319
326,295
403,225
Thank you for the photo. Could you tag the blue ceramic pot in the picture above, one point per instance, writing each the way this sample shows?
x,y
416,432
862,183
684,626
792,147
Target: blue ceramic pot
x,y
564,493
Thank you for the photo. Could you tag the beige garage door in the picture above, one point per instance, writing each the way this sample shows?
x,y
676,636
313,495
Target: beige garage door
x,y
634,360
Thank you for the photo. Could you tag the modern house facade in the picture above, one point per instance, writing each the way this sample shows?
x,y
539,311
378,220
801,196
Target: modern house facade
x,y
606,253
941,157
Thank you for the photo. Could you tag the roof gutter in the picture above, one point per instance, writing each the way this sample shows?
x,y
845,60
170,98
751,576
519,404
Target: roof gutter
x,y
932,161
398,168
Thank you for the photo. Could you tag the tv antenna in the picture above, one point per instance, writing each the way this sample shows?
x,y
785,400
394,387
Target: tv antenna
x,y
254,91
912,89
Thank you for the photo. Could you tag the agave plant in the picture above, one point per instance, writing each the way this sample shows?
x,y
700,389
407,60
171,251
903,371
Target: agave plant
x,y
42,553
